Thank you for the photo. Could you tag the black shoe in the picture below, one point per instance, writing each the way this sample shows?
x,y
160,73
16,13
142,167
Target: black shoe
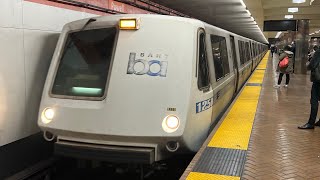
x,y
306,126
317,123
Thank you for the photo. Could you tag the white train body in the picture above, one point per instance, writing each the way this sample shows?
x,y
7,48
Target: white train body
x,y
119,112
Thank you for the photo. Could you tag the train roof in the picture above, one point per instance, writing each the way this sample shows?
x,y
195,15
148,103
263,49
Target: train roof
x,y
194,22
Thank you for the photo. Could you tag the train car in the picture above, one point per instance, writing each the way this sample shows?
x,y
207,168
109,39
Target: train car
x,y
140,88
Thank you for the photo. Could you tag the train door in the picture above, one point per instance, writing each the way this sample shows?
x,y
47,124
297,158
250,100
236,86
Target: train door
x,y
203,94
235,62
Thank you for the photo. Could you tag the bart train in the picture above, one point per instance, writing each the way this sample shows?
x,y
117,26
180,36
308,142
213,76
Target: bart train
x,y
141,88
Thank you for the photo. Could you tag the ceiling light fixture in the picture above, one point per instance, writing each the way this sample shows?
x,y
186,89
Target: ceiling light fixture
x,y
248,12
293,10
288,16
298,1
243,4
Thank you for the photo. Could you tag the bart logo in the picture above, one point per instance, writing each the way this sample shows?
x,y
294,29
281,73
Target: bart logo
x,y
145,66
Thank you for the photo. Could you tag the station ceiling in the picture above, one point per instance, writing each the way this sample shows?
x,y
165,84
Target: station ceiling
x,y
232,15
277,9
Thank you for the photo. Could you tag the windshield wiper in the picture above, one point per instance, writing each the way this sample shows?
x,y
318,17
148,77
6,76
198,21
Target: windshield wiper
x,y
69,42
87,23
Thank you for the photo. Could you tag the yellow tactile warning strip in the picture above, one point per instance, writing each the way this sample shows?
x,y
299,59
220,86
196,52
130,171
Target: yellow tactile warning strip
x,y
263,63
257,77
235,130
205,176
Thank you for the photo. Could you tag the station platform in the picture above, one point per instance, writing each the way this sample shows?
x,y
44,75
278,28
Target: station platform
x,y
258,136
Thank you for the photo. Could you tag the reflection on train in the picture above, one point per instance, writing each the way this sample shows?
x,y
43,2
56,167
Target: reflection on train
x,y
141,88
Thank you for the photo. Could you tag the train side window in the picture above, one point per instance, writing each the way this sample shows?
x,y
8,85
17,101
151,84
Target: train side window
x,y
255,50
239,45
244,51
247,51
220,56
251,50
203,69
241,52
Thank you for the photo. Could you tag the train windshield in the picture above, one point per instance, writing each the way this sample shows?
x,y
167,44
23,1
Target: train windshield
x,y
84,63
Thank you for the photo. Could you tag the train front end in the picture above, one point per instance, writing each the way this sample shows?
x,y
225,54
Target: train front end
x,y
118,89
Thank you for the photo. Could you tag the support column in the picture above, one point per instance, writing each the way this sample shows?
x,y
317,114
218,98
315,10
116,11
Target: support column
x,y
301,48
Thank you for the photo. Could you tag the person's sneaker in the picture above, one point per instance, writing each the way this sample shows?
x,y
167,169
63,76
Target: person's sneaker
x,y
286,85
306,126
317,123
276,86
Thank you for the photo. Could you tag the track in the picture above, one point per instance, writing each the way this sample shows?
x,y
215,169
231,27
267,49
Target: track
x,y
66,169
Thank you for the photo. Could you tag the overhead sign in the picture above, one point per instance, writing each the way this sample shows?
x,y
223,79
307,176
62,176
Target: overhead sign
x,y
280,25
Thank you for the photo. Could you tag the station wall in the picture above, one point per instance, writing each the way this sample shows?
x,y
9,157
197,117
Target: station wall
x,y
29,30
28,35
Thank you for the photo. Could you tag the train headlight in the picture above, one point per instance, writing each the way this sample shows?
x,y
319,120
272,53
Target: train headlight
x,y
47,115
170,123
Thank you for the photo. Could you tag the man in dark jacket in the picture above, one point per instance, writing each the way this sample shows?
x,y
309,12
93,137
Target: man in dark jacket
x,y
315,92
272,48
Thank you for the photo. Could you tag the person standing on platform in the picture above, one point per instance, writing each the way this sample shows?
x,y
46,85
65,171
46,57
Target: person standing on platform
x,y
293,50
314,66
272,48
314,49
285,70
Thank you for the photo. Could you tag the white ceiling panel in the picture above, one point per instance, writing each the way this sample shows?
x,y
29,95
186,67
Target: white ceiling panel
x,y
232,15
227,14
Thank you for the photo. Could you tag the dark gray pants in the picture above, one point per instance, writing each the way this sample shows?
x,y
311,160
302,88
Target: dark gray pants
x,y
314,101
287,78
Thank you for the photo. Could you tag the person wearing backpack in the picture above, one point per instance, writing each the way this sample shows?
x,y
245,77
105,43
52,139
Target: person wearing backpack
x,y
285,66
314,66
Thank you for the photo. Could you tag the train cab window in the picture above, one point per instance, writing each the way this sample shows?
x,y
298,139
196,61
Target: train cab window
x,y
203,69
220,56
84,64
